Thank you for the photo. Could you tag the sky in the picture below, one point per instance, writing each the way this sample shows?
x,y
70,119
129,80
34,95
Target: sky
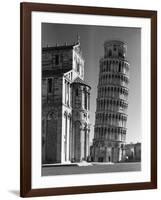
x,y
92,39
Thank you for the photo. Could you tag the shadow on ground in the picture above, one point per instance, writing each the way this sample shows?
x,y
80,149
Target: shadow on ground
x,y
15,192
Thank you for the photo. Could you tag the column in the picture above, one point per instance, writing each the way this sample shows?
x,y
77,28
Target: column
x,y
82,143
123,152
120,154
106,154
82,92
85,143
105,104
65,91
64,139
70,138
88,150
87,100
67,139
73,141
69,95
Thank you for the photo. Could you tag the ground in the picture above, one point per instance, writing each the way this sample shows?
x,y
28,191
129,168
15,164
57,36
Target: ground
x,y
94,168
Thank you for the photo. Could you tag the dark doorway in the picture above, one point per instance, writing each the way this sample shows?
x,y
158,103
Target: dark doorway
x,y
100,159
109,158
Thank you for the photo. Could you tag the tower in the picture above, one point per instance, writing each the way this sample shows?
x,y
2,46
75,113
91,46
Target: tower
x,y
111,111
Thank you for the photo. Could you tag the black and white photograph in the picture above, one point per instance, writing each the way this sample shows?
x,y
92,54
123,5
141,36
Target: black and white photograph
x,y
91,99
88,99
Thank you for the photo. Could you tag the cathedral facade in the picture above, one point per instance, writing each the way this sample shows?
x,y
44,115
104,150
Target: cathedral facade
x,y
111,112
65,105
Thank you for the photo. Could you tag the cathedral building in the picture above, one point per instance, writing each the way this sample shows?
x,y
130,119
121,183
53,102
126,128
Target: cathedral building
x,y
111,112
65,105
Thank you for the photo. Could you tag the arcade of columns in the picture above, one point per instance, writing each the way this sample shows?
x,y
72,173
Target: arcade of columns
x,y
112,104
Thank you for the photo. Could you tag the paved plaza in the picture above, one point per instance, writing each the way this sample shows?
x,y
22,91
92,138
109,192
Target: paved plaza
x,y
86,169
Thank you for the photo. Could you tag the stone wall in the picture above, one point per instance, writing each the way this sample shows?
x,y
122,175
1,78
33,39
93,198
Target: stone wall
x,y
65,110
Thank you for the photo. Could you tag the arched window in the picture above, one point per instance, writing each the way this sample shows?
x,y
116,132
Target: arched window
x,y
76,92
119,117
110,53
85,100
102,117
111,102
57,59
106,117
107,102
106,66
120,54
114,48
121,91
116,117
49,85
119,66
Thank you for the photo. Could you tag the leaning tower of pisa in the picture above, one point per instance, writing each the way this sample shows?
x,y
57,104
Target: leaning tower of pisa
x,y
111,111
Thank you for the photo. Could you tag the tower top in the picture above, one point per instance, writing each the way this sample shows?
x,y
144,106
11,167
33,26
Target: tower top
x,y
115,48
114,42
